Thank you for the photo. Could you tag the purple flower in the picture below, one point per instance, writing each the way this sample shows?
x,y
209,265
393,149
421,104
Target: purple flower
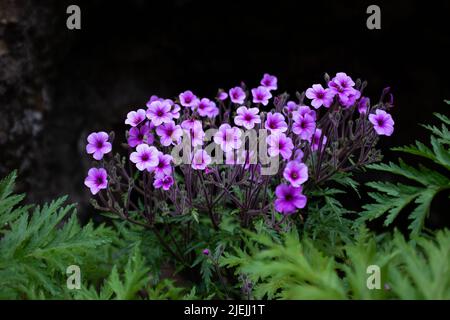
x,y
382,122
207,108
153,98
195,131
135,117
261,95
228,137
342,85
175,111
222,95
303,126
298,155
138,136
201,160
275,123
296,173
205,252
159,112
320,96
237,95
350,98
188,99
169,133
98,144
164,182
163,168
144,157
270,82
289,199
302,110
363,105
247,117
96,180
280,144
315,140
291,106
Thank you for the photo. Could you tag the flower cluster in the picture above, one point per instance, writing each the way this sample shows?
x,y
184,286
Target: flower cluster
x,y
309,143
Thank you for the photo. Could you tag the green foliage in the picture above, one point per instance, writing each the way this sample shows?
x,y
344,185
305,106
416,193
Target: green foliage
x,y
392,198
296,269
37,244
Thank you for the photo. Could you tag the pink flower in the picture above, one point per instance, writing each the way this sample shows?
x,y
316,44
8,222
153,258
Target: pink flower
x,y
159,112
296,173
270,82
247,118
237,95
96,180
342,85
175,111
261,95
350,98
201,160
382,122
138,136
222,95
275,123
289,199
298,155
303,126
163,168
169,133
188,99
135,117
228,137
145,157
315,140
164,182
363,105
280,144
290,107
98,144
153,98
194,130
320,96
302,110
207,108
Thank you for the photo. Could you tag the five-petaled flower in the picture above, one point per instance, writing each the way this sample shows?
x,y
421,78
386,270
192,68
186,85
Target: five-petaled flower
x,y
261,95
237,95
200,160
289,199
382,122
135,117
159,112
98,144
279,143
296,173
320,96
96,180
269,81
247,117
228,137
145,157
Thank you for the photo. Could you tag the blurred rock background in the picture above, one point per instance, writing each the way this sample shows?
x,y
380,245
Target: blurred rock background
x,y
57,85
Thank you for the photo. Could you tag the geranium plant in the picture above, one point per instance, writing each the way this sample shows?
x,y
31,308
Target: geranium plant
x,y
251,154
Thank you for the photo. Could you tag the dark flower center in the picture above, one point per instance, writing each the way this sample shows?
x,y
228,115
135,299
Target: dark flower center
x,y
145,157
319,95
99,144
159,113
99,180
248,117
380,122
303,125
294,175
288,197
140,136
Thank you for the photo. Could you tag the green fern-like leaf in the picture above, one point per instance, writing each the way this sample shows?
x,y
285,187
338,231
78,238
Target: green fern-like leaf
x,y
392,198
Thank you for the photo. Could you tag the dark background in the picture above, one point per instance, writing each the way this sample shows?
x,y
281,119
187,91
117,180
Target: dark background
x,y
57,85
